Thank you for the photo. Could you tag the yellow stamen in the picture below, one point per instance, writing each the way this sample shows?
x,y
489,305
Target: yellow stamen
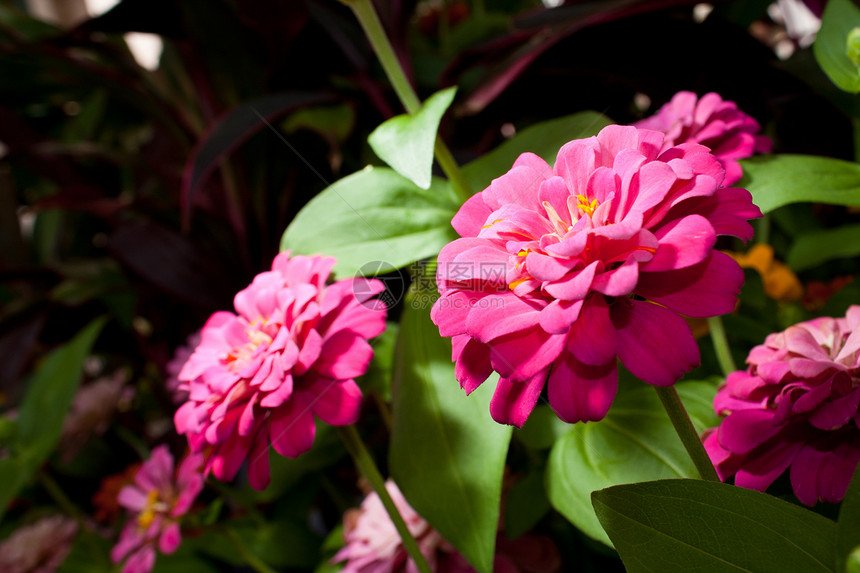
x,y
147,516
555,218
518,282
493,223
586,206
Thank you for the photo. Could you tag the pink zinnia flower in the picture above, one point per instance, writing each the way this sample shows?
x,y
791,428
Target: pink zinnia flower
x,y
719,125
796,406
559,270
174,367
290,353
156,501
374,546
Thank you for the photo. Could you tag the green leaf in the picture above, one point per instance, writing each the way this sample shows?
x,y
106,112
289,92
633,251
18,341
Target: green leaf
x,y
525,504
406,142
378,376
777,180
848,527
543,139
374,216
634,442
832,49
42,411
447,454
694,525
813,249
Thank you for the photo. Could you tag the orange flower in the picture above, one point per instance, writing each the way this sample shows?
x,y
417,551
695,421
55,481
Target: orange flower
x,y
780,283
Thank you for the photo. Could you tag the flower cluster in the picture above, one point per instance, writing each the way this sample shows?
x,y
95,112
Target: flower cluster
x,y
621,222
155,502
719,125
374,546
796,407
289,353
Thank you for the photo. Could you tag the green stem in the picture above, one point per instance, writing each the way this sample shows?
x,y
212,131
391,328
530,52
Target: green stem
x,y
69,507
356,448
687,432
762,232
252,560
369,20
721,345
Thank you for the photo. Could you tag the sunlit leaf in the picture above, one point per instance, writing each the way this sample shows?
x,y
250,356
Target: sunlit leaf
x,y
635,442
447,454
406,142
813,249
374,216
777,180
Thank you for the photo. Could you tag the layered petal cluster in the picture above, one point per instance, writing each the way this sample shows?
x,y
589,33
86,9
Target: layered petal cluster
x,y
795,407
374,546
561,270
719,125
156,501
289,354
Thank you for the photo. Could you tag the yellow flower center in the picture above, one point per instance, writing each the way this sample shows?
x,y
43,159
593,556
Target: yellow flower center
x,y
152,508
586,206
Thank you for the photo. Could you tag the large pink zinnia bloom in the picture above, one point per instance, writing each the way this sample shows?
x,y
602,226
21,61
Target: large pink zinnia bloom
x,y
719,125
562,270
156,501
795,406
290,353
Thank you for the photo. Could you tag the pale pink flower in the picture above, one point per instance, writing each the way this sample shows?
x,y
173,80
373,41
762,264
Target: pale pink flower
x,y
374,546
174,367
290,354
561,271
40,547
719,125
795,407
156,501
91,411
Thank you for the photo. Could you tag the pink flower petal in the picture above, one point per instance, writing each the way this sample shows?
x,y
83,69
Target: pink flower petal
x,y
513,401
336,403
581,393
292,428
645,333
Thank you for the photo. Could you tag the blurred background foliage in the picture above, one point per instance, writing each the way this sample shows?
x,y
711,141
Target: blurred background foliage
x,y
151,196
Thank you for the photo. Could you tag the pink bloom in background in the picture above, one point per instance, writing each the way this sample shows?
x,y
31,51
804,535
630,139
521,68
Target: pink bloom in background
x,y
719,125
156,501
559,270
40,547
174,367
374,546
289,354
796,407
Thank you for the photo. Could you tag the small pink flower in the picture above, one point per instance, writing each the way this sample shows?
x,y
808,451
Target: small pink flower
x,y
156,501
796,407
561,271
719,125
290,354
374,546
176,363
40,547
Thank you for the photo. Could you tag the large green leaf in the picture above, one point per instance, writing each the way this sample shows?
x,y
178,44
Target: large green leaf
x,y
848,527
447,454
831,44
813,249
634,442
777,180
374,216
543,139
406,142
43,409
694,525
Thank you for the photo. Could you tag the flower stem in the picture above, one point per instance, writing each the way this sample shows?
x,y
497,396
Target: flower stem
x,y
686,431
369,20
252,560
356,448
721,345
